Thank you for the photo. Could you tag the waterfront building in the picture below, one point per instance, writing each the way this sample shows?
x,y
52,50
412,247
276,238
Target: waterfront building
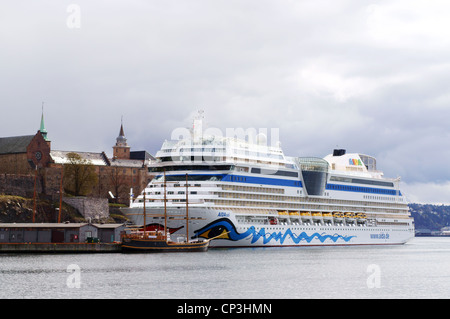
x,y
59,232
23,157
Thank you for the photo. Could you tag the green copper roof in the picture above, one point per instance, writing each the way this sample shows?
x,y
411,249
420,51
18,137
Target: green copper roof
x,y
42,128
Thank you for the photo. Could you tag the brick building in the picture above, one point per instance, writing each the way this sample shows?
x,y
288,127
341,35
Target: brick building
x,y
25,156
19,155
13,154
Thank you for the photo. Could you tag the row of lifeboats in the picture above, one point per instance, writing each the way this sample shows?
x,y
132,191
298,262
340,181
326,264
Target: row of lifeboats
x,y
322,215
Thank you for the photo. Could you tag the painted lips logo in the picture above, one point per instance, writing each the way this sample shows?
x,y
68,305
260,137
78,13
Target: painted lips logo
x,y
224,229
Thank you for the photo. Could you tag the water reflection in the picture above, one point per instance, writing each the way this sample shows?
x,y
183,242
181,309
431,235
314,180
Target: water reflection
x,y
418,269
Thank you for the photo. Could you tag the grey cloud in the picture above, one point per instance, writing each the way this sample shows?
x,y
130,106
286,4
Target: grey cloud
x,y
367,77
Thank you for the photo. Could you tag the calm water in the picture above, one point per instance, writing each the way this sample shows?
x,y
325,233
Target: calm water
x,y
419,269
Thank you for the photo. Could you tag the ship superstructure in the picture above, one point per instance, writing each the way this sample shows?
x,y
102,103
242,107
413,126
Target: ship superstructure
x,y
244,192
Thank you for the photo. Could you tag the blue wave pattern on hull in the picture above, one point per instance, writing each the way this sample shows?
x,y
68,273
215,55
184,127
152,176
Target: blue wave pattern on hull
x,y
225,224
295,238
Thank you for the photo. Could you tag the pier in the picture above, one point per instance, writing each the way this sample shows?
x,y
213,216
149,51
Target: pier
x,y
60,238
60,248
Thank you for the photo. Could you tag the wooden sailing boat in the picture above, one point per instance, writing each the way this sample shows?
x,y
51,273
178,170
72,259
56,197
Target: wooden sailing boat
x,y
159,241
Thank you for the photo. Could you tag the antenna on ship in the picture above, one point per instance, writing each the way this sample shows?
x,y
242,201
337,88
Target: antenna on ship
x,y
197,125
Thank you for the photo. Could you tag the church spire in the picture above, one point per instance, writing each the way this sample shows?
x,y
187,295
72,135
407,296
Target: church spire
x,y
42,127
121,131
121,150
121,140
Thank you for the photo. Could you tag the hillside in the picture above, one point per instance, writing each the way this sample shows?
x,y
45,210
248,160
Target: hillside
x,y
17,209
432,217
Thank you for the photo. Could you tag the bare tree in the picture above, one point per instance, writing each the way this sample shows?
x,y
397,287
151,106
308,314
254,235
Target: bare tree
x,y
118,182
79,175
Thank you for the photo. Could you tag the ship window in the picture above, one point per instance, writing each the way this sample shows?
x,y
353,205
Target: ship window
x,y
360,181
256,170
192,168
173,178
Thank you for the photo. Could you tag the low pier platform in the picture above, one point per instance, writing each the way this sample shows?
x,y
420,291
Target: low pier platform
x,y
60,248
60,238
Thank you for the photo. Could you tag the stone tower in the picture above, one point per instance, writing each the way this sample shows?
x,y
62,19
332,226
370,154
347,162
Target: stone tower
x,y
121,150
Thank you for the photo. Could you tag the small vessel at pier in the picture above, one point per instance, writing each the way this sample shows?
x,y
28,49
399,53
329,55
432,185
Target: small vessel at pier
x,y
157,241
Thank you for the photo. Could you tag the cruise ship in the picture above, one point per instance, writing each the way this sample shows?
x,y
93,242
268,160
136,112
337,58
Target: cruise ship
x,y
245,193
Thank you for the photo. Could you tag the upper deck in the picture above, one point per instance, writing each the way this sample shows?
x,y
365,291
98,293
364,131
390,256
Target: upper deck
x,y
214,150
353,164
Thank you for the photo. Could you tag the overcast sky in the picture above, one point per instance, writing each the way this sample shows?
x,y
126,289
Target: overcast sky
x,y
368,76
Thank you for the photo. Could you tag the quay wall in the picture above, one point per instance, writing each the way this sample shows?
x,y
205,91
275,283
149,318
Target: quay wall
x,y
60,248
89,207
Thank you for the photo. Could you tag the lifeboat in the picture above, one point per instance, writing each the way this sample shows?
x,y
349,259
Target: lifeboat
x,y
338,215
295,217
305,215
327,215
283,213
349,218
317,215
361,215
317,218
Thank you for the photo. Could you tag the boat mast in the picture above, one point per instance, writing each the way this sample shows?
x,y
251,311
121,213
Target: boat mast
x,y
187,211
60,193
165,206
145,223
34,195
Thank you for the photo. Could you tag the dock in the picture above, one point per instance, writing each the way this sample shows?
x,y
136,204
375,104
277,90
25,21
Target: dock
x,y
60,238
72,248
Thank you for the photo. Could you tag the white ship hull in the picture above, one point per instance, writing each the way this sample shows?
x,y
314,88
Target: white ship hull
x,y
208,223
244,193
